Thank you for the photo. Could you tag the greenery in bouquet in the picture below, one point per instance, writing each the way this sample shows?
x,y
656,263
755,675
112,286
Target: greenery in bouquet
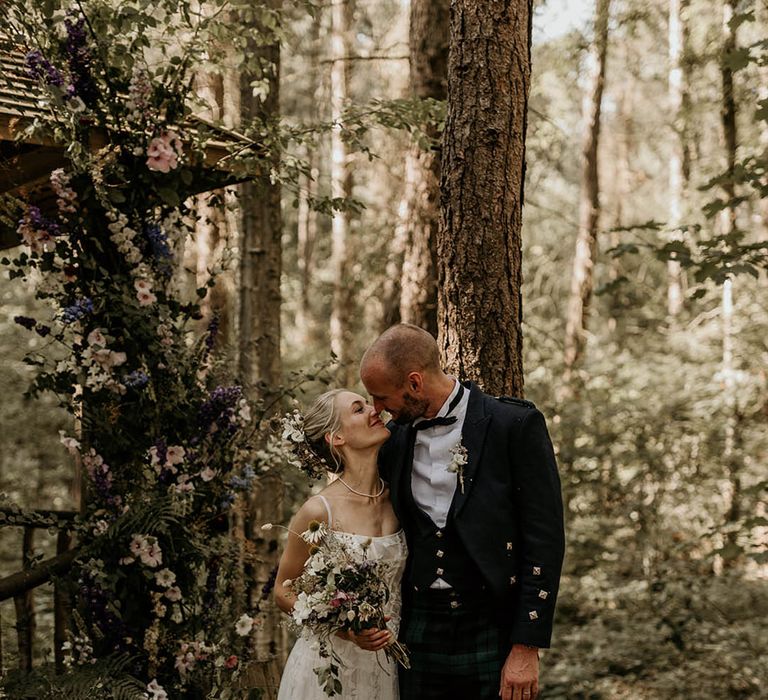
x,y
340,589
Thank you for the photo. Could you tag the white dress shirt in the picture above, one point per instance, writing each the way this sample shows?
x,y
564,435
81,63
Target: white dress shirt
x,y
432,484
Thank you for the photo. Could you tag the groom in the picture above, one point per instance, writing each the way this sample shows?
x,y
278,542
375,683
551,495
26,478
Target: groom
x,y
485,538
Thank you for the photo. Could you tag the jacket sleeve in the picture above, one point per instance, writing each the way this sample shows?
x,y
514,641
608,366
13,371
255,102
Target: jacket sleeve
x,y
539,509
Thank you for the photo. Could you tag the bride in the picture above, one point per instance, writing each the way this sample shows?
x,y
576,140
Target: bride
x,y
347,432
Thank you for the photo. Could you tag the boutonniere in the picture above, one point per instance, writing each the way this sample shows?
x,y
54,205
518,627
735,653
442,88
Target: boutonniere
x,y
458,460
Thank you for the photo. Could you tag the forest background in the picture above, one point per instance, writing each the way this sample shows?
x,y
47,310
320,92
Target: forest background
x,y
644,311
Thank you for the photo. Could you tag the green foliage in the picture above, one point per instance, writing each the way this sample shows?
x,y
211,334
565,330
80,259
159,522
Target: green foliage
x,y
107,679
163,448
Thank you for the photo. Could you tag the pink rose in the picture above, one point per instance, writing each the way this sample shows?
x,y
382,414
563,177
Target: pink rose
x,y
338,599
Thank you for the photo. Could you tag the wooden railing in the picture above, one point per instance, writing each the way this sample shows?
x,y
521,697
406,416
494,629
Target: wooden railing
x,y
21,585
261,675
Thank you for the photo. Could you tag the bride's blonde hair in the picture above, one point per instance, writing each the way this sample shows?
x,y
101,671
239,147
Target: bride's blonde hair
x,y
321,419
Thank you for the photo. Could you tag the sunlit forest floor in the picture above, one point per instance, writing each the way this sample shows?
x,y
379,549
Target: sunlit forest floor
x,y
696,637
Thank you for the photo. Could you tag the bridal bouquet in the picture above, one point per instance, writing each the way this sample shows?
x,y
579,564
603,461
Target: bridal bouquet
x,y
340,589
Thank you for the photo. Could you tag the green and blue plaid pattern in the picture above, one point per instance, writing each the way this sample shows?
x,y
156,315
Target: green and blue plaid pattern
x,y
456,653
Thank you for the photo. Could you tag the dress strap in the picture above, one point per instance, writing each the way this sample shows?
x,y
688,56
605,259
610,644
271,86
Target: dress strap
x,y
327,509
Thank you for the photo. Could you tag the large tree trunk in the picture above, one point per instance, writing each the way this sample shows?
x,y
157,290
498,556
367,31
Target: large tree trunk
x,y
589,209
429,37
260,251
259,362
392,286
678,176
483,174
341,188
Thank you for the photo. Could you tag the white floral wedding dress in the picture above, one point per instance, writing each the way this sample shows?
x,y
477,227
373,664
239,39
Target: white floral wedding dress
x,y
363,676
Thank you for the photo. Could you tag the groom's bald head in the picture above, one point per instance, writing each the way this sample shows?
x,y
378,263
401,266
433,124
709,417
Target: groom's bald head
x,y
399,350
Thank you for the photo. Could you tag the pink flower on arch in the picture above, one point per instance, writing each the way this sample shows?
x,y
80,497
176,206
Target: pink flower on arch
x,y
163,152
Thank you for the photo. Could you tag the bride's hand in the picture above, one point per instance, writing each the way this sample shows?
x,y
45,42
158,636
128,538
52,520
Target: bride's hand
x,y
370,640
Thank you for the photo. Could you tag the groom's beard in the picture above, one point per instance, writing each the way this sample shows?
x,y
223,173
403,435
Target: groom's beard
x,y
412,409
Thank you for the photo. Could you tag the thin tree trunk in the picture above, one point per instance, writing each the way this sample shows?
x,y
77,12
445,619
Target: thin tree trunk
x,y
728,225
761,16
428,39
728,115
622,184
341,188
677,166
483,175
212,229
306,233
582,277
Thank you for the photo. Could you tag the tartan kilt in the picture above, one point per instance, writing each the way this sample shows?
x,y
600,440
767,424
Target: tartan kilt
x,y
456,653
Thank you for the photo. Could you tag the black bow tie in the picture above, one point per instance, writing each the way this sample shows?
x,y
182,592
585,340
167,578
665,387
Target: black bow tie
x,y
447,419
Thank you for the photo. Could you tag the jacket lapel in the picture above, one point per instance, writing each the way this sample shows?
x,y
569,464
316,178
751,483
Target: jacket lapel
x,y
401,470
473,438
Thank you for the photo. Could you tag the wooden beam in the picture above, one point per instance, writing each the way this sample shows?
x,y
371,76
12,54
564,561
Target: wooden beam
x,y
26,580
30,166
12,125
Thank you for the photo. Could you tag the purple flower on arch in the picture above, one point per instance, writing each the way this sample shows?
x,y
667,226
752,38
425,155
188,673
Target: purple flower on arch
x,y
76,311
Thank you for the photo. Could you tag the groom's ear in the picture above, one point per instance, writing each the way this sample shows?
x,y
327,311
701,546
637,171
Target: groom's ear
x,y
415,382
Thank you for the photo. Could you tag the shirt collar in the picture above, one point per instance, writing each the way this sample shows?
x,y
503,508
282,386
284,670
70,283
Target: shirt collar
x,y
444,408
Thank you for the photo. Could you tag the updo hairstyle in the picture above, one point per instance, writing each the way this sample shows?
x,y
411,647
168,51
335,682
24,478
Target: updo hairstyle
x,y
321,419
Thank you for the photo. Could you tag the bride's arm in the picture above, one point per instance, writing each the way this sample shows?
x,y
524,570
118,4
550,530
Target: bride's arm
x,y
296,552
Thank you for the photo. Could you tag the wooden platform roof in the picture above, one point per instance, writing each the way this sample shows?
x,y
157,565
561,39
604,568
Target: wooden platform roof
x,y
26,161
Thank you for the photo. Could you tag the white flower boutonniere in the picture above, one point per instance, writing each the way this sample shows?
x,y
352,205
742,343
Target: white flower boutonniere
x,y
458,460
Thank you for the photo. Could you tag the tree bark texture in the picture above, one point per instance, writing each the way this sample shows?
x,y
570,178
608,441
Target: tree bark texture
x,y
728,225
678,170
341,188
483,172
259,365
212,229
393,283
306,234
306,219
622,181
582,276
761,17
428,38
728,115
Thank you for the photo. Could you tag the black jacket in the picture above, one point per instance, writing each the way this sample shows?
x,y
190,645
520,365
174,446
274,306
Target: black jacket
x,y
510,516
